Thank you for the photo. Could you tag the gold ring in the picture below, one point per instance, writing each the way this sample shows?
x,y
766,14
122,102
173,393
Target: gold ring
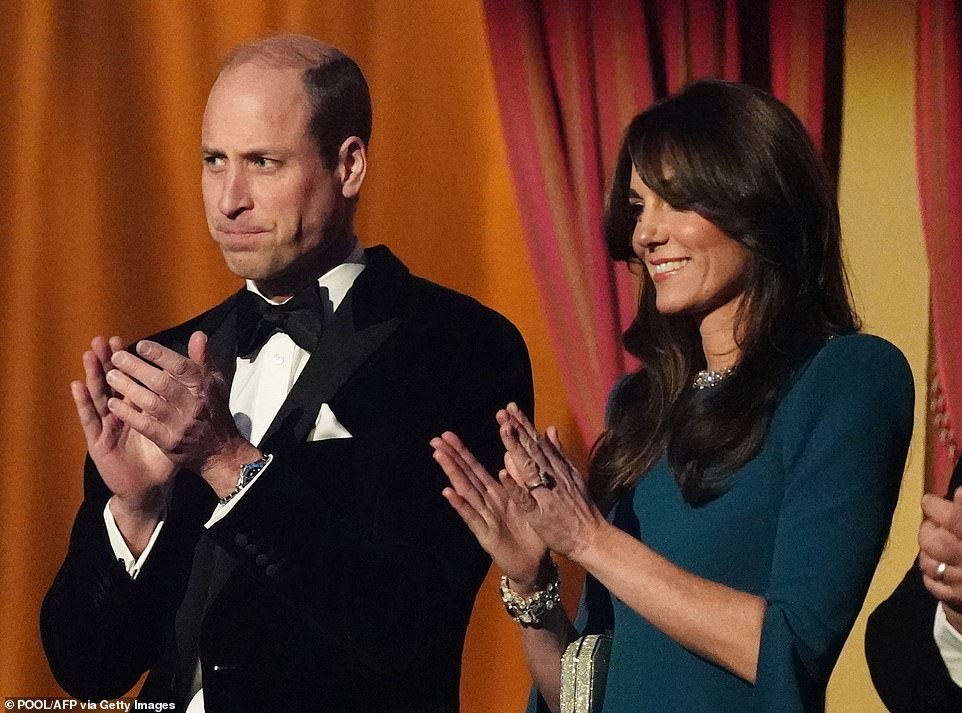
x,y
940,572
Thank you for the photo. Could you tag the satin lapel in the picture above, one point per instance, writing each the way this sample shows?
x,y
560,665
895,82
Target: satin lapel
x,y
342,349
220,326
222,342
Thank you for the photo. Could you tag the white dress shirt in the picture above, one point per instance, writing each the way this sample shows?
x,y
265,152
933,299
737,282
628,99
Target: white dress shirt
x,y
949,643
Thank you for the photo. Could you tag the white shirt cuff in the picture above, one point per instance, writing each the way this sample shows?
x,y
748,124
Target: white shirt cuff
x,y
949,643
119,545
220,511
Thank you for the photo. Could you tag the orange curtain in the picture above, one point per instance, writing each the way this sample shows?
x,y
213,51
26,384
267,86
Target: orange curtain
x,y
570,74
938,137
104,232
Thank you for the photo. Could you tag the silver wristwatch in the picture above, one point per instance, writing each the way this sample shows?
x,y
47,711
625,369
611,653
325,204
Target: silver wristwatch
x,y
247,473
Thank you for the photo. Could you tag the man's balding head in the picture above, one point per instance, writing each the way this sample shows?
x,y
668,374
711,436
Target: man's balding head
x,y
335,87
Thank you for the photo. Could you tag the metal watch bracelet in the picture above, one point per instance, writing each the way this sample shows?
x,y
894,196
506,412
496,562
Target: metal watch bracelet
x,y
247,473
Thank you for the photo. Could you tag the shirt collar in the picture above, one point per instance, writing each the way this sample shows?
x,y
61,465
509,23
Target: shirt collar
x,y
336,281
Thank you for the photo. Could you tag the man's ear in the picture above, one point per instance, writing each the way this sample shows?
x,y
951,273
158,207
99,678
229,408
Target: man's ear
x,y
351,166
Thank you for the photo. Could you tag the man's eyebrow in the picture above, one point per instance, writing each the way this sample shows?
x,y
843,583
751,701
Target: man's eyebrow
x,y
254,152
264,151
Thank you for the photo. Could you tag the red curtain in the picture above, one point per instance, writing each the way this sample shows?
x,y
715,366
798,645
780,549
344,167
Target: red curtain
x,y
938,118
570,74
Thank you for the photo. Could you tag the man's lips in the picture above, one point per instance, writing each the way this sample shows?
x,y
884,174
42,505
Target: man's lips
x,y
238,239
237,231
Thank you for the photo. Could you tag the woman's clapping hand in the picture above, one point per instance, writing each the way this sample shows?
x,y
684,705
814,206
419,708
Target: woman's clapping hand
x,y
489,508
552,496
538,502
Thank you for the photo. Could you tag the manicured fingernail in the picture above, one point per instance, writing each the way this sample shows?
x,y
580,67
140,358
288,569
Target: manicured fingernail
x,y
144,348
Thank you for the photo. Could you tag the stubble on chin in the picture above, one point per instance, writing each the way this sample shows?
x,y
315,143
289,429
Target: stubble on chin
x,y
245,265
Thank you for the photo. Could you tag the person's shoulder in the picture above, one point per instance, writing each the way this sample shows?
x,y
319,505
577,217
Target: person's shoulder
x,y
854,368
449,303
626,390
451,330
858,355
854,386
433,304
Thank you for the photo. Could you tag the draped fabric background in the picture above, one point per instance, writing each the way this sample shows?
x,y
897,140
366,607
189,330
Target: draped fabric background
x,y
938,117
571,75
103,232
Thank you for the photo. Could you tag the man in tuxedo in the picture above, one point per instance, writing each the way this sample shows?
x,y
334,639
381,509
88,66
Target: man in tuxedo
x,y
262,526
913,640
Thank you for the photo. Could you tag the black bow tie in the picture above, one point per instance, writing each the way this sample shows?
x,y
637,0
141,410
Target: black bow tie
x,y
301,318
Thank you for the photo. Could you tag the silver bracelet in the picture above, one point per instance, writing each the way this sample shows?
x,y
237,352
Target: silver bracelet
x,y
531,611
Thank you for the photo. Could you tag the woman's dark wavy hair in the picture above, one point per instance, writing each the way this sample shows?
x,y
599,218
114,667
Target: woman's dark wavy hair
x,y
741,159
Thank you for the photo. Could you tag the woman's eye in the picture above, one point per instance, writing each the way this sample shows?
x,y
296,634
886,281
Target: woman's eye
x,y
635,210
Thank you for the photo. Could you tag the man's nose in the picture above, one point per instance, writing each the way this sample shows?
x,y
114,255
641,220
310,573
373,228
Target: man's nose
x,y
235,195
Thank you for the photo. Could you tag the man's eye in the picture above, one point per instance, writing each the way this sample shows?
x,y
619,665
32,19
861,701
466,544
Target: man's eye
x,y
262,162
214,161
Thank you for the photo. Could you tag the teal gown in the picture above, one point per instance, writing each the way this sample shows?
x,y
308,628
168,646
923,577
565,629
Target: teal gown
x,y
803,526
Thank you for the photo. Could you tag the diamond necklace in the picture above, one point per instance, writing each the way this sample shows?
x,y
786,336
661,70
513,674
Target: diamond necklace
x,y
708,379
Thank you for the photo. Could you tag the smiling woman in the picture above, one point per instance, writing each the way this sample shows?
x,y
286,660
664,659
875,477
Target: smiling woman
x,y
697,268
737,189
739,499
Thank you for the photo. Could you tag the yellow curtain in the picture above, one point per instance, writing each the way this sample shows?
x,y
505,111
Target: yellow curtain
x,y
104,233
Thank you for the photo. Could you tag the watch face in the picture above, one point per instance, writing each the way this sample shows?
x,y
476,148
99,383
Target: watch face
x,y
246,475
249,470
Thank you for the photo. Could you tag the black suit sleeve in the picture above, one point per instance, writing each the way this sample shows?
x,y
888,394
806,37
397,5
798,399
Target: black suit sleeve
x,y
101,629
906,665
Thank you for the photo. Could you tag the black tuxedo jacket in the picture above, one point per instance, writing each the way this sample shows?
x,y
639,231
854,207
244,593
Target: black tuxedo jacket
x,y
342,580
907,668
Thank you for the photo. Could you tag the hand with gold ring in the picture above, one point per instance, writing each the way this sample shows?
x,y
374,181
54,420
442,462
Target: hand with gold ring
x,y
552,495
940,553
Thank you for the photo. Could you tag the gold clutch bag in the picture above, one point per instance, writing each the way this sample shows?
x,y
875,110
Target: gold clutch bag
x,y
584,668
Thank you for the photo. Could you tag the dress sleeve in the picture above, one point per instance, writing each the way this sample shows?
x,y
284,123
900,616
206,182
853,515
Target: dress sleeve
x,y
844,429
